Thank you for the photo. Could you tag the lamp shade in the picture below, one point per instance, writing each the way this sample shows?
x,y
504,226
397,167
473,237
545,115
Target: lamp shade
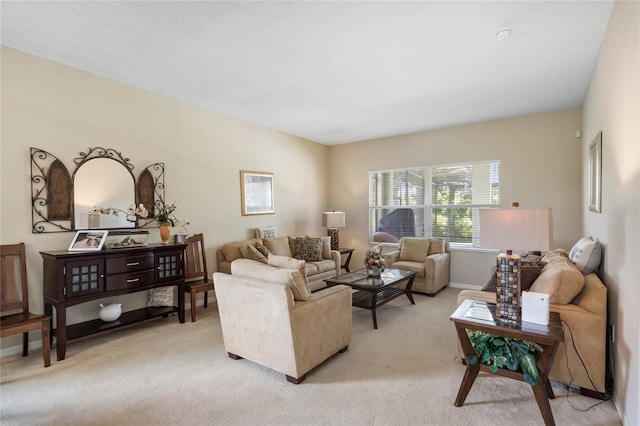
x,y
333,219
519,228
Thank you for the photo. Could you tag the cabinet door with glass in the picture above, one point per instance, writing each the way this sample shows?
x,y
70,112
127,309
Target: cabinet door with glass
x,y
168,266
84,277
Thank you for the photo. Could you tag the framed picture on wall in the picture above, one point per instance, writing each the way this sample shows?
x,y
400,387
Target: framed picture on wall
x,y
595,174
257,192
92,240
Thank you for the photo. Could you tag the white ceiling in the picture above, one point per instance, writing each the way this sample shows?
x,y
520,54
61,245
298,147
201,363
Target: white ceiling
x,y
332,72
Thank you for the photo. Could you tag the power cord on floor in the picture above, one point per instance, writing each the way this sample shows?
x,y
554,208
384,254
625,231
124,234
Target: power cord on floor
x,y
604,398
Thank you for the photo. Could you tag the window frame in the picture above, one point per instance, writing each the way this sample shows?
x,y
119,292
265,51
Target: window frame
x,y
424,227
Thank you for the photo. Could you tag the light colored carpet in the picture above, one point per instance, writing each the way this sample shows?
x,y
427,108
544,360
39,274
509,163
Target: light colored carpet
x,y
163,372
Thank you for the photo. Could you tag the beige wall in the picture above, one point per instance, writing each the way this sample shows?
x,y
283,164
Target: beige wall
x,y
540,166
65,111
612,106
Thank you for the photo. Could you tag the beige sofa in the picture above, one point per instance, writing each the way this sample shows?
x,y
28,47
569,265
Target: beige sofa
x,y
316,271
268,316
581,301
429,258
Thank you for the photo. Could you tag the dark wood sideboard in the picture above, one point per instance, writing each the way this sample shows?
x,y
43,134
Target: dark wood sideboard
x,y
72,278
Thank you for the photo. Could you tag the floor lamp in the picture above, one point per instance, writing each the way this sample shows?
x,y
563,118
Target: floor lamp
x,y
516,228
333,220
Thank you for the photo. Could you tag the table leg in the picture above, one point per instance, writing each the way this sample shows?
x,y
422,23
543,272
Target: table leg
x,y
471,371
407,290
61,331
374,303
542,399
181,298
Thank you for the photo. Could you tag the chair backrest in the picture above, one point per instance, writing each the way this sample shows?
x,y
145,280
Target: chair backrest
x,y
195,261
14,290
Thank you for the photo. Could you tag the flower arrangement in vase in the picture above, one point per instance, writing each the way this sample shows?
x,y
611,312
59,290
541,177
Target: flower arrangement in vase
x,y
374,261
132,214
166,219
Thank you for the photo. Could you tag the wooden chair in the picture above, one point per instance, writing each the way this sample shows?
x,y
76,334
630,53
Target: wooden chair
x,y
195,270
14,296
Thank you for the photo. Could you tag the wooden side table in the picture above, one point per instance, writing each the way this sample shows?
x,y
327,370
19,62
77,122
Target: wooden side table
x,y
465,318
349,252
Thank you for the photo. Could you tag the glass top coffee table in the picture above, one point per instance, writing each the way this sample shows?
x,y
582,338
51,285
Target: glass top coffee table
x,y
374,292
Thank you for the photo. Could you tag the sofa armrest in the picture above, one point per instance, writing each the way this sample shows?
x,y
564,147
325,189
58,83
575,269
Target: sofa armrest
x,y
391,257
337,259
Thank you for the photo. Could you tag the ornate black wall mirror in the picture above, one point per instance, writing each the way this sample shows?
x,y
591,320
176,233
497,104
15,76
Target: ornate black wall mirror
x,y
102,179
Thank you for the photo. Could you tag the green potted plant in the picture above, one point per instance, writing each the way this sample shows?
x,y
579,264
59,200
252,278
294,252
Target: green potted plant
x,y
500,352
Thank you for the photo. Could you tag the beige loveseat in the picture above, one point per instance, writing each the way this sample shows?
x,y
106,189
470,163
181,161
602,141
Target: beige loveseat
x,y
327,265
269,316
427,257
581,301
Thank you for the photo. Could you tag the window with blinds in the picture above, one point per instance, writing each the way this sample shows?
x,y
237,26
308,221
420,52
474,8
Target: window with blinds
x,y
432,201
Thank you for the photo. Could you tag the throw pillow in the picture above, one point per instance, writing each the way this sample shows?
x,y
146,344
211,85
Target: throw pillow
x,y
301,288
262,249
560,279
312,249
586,255
250,252
414,249
160,296
436,245
278,246
298,248
326,247
491,284
528,275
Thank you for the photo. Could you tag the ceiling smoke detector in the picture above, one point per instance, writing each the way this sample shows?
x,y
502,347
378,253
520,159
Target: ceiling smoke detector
x,y
503,33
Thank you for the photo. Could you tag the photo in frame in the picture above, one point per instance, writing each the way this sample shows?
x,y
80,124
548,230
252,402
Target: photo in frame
x,y
595,174
257,192
92,240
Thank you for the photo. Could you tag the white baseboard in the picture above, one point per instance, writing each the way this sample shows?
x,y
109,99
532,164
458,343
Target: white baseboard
x,y
465,286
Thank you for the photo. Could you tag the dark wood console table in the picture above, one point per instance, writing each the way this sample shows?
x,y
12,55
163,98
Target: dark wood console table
x,y
72,278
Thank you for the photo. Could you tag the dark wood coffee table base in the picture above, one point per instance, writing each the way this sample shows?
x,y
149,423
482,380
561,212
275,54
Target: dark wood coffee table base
x,y
377,293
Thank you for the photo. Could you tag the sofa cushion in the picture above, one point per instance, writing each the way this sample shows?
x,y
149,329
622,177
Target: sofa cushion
x,y
586,255
436,246
323,265
560,279
269,273
278,246
231,250
417,267
414,249
250,252
301,290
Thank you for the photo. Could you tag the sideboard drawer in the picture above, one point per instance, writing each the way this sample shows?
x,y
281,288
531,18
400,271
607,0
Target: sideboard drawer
x,y
132,280
119,265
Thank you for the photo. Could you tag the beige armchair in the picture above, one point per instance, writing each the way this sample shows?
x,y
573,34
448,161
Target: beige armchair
x,y
263,322
427,257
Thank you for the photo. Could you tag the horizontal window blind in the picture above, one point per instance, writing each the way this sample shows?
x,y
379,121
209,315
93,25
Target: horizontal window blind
x,y
438,201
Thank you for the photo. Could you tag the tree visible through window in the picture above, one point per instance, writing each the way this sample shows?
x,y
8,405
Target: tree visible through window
x,y
438,201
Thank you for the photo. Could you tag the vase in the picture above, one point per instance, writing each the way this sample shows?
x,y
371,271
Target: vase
x,y
373,271
110,312
165,232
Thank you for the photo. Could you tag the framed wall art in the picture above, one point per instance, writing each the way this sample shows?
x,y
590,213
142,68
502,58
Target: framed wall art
x,y
595,174
257,192
88,240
